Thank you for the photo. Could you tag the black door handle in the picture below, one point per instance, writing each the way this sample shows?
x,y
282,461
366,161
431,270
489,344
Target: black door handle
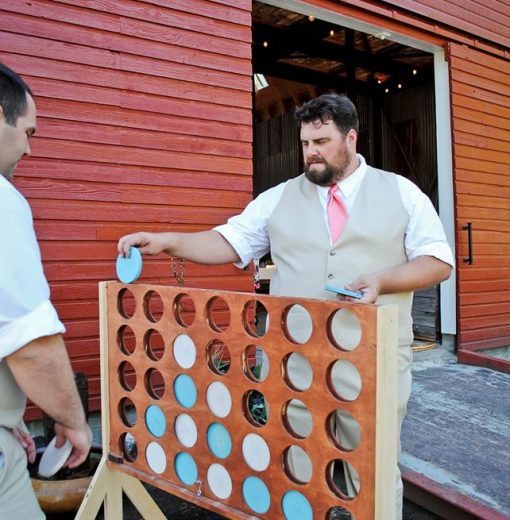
x,y
469,228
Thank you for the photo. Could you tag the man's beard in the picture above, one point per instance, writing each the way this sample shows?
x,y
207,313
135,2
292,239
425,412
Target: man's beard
x,y
325,176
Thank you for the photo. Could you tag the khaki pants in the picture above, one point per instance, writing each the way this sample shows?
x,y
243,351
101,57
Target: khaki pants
x,y
17,497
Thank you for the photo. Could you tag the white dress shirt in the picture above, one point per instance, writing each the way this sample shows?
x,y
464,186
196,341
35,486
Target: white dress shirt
x,y
247,232
26,312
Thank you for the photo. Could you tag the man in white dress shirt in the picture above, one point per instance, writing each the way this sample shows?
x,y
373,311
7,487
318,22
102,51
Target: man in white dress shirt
x,y
392,244
33,358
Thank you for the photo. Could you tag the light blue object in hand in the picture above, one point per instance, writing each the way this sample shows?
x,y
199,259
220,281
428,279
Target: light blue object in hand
x,y
129,267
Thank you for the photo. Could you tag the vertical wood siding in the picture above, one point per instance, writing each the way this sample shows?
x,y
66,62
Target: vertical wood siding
x,y
480,89
144,122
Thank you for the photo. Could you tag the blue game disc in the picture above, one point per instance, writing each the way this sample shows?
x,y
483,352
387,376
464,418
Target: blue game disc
x,y
296,506
186,468
155,420
219,441
256,495
185,391
129,267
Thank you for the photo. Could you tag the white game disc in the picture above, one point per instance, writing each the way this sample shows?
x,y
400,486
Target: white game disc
x,y
54,458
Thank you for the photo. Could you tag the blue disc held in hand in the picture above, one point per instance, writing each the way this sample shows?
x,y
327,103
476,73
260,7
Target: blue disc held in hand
x,y
129,267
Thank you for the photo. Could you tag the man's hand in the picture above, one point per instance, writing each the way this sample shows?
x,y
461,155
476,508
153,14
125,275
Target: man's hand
x,y
26,441
147,243
370,287
81,439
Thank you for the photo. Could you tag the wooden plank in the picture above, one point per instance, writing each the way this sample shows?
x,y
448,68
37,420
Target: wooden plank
x,y
234,71
469,127
462,55
490,181
140,175
481,141
483,274
480,165
199,16
481,298
64,149
481,154
489,309
148,79
71,190
495,333
480,322
239,11
161,140
139,102
480,106
500,100
467,112
482,201
109,21
457,18
473,358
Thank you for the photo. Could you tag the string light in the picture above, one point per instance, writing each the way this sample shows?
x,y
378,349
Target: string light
x,y
311,18
386,90
399,85
415,72
379,81
331,33
265,44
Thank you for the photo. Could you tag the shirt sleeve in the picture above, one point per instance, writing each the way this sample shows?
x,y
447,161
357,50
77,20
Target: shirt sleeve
x,y
26,312
425,234
247,232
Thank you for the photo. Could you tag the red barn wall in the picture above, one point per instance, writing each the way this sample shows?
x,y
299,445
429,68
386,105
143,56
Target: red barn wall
x,y
144,122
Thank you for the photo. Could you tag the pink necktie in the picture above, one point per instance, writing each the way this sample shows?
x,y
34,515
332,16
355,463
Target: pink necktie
x,y
337,213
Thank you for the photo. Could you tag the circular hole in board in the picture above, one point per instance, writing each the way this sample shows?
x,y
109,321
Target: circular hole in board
x,y
344,430
153,306
344,329
344,380
184,310
126,303
297,418
298,325
126,340
218,357
255,363
128,446
218,314
154,344
337,479
127,411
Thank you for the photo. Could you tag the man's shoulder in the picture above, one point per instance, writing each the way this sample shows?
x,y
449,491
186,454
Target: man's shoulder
x,y
12,202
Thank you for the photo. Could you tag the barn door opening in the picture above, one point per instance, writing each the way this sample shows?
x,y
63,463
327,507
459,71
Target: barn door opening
x,y
298,56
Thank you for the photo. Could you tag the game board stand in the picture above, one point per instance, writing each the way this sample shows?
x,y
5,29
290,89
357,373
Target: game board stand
x,y
374,408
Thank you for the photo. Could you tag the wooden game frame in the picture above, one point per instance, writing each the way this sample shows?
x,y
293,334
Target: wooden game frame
x,y
375,409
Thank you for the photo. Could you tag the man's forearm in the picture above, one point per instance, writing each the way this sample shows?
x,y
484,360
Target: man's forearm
x,y
420,273
205,247
43,371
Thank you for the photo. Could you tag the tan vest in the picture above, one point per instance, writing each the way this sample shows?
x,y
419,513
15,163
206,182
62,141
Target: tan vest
x,y
12,399
373,239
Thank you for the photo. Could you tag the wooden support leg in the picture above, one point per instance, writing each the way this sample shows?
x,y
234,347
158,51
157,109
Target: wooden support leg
x,y
107,487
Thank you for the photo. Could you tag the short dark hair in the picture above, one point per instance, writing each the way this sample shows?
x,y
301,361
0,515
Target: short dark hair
x,y
13,95
330,107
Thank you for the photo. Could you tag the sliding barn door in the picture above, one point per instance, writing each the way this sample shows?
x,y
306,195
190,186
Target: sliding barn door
x,y
480,89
